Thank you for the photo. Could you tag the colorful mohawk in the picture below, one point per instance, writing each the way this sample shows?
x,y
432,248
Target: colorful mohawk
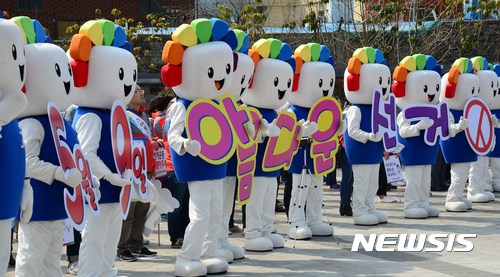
x,y
242,47
94,32
365,55
32,30
496,68
200,31
409,64
461,65
311,52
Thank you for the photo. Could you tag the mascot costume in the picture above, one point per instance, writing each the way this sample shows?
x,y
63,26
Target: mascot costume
x,y
488,92
12,155
417,81
199,66
313,80
457,86
495,154
242,76
367,71
48,78
104,70
268,91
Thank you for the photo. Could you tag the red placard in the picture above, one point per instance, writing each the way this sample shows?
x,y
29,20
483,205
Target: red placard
x,y
479,132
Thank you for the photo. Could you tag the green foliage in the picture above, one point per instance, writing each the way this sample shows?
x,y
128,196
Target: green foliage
x,y
250,18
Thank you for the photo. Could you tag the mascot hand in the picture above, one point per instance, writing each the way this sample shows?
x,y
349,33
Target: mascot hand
x,y
264,125
250,129
72,177
494,120
273,130
308,129
193,147
398,148
150,192
463,123
375,137
26,206
97,191
424,124
117,180
342,127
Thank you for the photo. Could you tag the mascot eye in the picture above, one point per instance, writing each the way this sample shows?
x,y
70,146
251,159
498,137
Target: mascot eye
x,y
492,84
437,87
210,72
473,89
242,79
14,52
289,83
276,81
389,80
250,79
228,69
58,70
135,75
380,80
69,70
425,88
320,82
331,82
120,73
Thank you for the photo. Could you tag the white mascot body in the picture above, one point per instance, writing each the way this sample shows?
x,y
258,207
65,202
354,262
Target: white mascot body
x,y
367,71
242,76
458,86
495,154
199,65
488,85
315,80
12,155
269,90
48,78
104,70
417,81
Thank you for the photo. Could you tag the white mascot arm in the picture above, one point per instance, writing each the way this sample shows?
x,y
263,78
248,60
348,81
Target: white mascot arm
x,y
26,206
353,127
494,121
406,130
455,128
12,104
88,129
308,128
269,129
33,136
180,144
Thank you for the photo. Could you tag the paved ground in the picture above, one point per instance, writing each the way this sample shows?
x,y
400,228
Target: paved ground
x,y
333,257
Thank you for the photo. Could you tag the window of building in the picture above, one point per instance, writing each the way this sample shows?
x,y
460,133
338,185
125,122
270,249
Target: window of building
x,y
150,6
30,5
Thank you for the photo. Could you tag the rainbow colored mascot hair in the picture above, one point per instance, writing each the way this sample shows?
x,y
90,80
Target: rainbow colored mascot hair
x,y
362,56
311,52
32,30
410,64
200,31
462,65
92,33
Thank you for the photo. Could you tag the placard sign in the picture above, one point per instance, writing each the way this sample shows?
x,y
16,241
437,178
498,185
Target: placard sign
x,y
393,169
327,114
479,132
384,119
438,113
70,158
160,157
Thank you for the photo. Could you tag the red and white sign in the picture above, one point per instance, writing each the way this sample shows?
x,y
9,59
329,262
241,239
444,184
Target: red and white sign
x,y
479,132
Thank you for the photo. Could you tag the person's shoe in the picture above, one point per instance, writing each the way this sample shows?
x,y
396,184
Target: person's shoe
x,y
12,261
345,210
439,188
386,199
390,186
145,252
177,244
335,187
279,208
127,256
72,268
235,229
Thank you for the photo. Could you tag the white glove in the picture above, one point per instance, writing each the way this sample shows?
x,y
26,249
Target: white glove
x,y
149,192
342,127
250,129
463,123
97,191
26,205
398,148
424,124
308,129
193,147
272,129
0,131
494,120
375,137
117,179
72,177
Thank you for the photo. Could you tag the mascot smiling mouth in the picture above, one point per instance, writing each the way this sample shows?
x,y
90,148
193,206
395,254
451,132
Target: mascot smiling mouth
x,y
67,87
242,90
127,89
281,94
325,93
219,84
430,98
384,91
21,72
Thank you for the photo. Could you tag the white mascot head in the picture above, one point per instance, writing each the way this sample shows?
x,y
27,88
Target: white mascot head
x,y
104,69
417,80
12,62
366,71
488,82
314,75
273,77
199,59
459,85
243,66
48,73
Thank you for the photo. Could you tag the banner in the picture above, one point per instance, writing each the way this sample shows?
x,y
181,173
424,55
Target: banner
x,y
438,113
384,119
393,169
479,132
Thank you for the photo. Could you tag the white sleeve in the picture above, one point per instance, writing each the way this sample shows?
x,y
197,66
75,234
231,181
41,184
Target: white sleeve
x,y
12,104
33,135
353,125
177,116
406,130
88,129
